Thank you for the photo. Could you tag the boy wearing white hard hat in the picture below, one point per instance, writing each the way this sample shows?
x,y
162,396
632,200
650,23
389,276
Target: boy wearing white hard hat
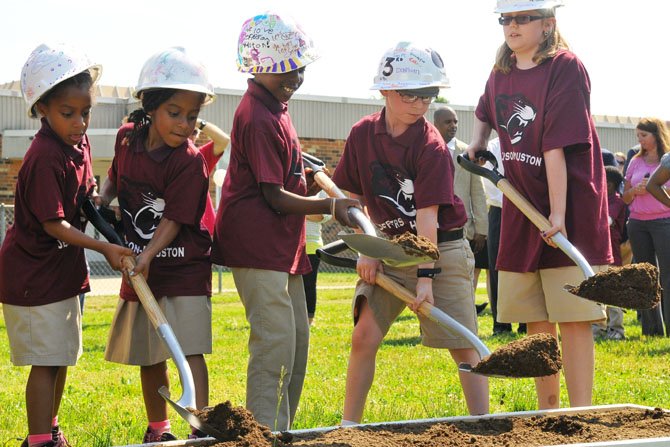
x,y
47,240
398,165
161,183
260,224
537,100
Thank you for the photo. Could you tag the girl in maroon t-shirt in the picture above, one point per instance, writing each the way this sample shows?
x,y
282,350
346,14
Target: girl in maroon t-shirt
x,y
537,99
161,182
42,261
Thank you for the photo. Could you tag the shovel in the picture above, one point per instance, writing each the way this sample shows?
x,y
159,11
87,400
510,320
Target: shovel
x,y
645,296
327,254
160,323
368,244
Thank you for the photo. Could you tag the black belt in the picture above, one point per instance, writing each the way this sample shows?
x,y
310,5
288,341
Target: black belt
x,y
447,236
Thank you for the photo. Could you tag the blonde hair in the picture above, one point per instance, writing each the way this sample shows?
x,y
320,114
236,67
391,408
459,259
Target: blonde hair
x,y
658,128
548,48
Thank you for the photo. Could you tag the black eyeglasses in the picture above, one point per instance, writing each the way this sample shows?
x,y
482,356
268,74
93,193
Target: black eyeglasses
x,y
520,20
411,99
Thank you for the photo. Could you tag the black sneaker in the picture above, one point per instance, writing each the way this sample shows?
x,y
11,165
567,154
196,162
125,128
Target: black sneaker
x,y
153,436
480,307
522,329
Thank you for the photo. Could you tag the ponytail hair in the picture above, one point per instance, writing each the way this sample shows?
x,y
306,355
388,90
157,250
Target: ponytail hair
x,y
552,43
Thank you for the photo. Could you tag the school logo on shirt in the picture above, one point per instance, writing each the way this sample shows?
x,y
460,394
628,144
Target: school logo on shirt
x,y
514,114
393,187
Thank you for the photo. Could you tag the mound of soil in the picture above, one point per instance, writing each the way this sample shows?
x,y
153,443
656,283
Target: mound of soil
x,y
633,286
536,355
238,426
579,427
416,245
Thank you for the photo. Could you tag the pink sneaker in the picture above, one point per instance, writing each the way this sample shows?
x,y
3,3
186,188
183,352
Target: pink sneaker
x,y
153,436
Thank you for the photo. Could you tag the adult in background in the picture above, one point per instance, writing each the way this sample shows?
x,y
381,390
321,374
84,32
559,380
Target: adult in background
x,y
470,189
649,221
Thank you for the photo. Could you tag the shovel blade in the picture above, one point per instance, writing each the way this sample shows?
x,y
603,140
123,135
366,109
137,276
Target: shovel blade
x,y
191,418
466,367
388,252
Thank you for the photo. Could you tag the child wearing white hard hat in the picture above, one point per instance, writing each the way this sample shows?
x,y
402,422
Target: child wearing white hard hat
x,y
161,183
260,224
537,100
47,240
400,168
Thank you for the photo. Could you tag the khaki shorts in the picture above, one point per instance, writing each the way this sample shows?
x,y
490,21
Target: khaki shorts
x,y
453,293
48,335
134,341
539,296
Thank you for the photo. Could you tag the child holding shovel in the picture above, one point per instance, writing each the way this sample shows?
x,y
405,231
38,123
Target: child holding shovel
x,y
161,182
42,262
537,99
260,224
397,163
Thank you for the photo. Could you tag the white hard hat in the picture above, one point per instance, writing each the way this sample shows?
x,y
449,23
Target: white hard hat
x,y
408,66
173,68
269,43
49,65
525,5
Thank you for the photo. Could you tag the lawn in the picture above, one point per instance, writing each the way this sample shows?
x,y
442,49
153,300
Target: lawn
x,y
102,404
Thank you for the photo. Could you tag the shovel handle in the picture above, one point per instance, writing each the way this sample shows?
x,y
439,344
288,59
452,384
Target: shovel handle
x,y
524,205
145,295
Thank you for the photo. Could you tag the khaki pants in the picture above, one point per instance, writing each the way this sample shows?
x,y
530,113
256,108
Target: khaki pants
x,y
274,303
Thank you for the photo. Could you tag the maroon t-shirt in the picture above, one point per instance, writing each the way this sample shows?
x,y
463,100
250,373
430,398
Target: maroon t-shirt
x,y
35,268
171,183
264,149
617,211
542,108
397,176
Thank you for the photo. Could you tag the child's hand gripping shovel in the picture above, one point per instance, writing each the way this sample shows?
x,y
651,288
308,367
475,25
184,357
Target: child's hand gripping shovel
x,y
635,286
160,323
513,360
368,244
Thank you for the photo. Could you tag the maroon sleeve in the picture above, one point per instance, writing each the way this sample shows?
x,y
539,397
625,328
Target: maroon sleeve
x,y
567,113
434,183
346,174
185,195
44,188
207,152
264,152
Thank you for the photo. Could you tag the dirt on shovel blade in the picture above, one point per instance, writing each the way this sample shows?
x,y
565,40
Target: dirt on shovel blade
x,y
633,286
239,426
532,356
413,244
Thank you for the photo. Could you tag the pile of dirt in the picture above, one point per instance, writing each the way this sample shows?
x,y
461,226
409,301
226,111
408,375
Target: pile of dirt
x,y
416,245
535,431
633,286
238,427
536,355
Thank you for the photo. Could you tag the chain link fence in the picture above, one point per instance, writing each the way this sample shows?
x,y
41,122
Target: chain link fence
x,y
105,281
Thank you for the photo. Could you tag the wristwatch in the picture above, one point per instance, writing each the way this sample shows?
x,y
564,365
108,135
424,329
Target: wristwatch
x,y
202,125
427,273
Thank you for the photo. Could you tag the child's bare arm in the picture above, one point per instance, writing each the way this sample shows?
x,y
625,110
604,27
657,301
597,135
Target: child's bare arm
x,y
220,138
61,230
286,202
655,185
426,226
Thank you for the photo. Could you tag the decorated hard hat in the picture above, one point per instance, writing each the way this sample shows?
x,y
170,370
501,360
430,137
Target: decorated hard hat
x,y
525,5
408,66
269,43
174,68
49,65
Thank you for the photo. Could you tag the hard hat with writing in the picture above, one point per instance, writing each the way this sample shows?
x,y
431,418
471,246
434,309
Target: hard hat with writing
x,y
409,66
525,5
269,43
174,68
49,65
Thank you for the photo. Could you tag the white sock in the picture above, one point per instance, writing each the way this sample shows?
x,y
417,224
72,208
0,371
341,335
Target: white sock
x,y
346,423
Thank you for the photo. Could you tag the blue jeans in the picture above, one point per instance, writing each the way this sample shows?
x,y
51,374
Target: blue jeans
x,y
650,242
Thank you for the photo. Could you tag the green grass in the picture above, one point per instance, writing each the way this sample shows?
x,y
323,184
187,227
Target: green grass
x,y
102,405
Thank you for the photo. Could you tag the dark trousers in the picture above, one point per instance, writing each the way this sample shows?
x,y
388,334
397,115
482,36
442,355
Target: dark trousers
x,y
309,280
493,242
